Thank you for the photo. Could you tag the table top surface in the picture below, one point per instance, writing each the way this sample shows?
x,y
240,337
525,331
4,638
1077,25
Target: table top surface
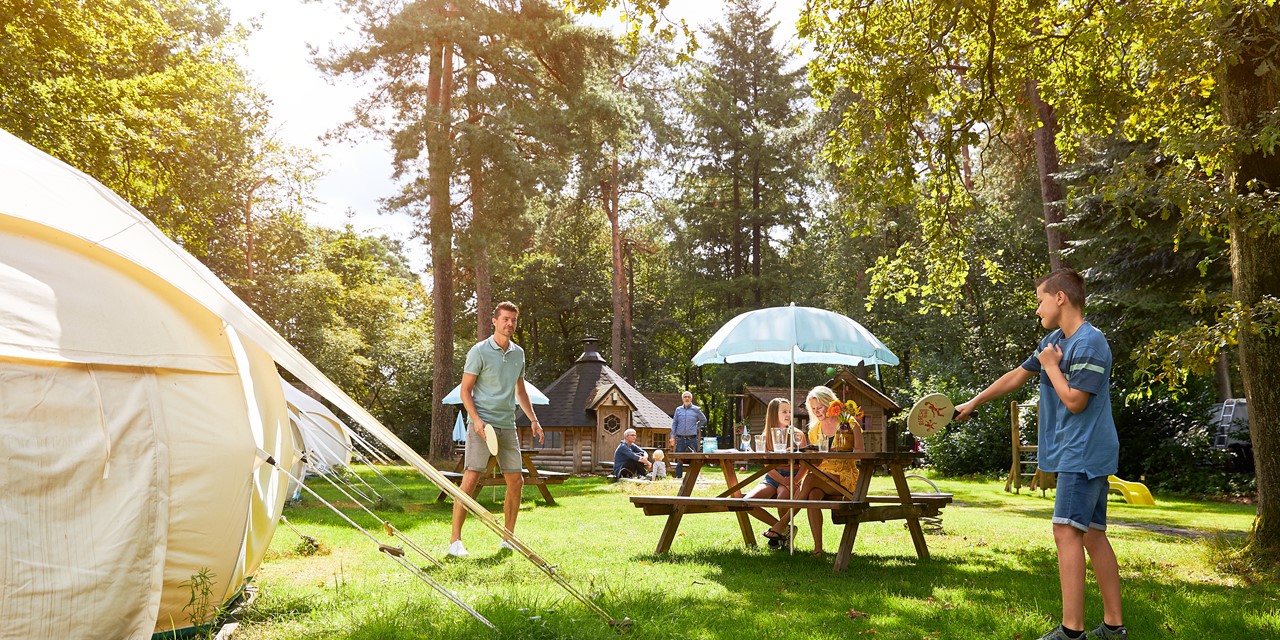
x,y
744,456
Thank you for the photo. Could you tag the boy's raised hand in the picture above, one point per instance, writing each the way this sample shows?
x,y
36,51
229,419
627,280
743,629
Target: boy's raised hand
x,y
1050,356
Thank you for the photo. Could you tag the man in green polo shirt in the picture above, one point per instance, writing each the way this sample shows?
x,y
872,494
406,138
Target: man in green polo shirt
x,y
492,385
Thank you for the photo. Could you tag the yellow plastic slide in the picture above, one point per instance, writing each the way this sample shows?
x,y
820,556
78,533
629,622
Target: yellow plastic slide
x,y
1133,492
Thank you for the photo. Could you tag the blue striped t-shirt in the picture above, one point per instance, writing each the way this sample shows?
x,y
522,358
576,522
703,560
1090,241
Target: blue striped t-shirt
x,y
1082,442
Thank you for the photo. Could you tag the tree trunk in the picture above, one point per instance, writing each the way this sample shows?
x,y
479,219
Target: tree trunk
x,y
737,268
609,192
757,230
1047,163
479,226
630,359
1222,374
1247,101
484,292
439,177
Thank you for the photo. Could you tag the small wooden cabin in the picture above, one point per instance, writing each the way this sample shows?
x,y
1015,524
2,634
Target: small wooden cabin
x,y
877,407
591,406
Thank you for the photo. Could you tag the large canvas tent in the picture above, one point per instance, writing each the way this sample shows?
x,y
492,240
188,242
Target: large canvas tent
x,y
131,421
69,569
324,435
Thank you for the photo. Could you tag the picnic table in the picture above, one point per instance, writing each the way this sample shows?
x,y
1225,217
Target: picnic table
x,y
492,476
849,508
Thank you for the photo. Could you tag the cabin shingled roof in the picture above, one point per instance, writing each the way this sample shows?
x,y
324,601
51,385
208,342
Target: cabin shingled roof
x,y
574,394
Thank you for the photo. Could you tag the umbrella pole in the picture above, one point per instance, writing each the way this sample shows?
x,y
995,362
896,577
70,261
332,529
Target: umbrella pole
x,y
791,479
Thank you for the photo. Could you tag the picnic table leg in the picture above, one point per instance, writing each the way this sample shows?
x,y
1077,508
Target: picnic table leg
x,y
744,517
850,535
846,546
913,519
673,520
457,468
537,480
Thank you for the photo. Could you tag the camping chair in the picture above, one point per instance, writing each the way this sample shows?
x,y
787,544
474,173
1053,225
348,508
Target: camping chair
x,y
1024,455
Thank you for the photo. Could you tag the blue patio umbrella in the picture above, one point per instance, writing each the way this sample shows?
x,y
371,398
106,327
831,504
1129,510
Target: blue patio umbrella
x,y
460,429
794,335
535,396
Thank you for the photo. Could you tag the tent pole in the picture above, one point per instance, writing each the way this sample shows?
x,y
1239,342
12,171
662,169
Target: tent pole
x,y
394,552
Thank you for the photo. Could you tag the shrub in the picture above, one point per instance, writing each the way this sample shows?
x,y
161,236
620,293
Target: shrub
x,y
978,446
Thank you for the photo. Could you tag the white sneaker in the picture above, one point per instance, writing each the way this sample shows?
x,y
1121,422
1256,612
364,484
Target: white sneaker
x,y
507,545
457,550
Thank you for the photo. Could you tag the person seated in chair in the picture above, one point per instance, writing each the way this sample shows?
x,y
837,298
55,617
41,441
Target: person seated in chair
x,y
629,460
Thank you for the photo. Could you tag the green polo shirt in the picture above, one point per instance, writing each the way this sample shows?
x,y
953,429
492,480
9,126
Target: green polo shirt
x,y
497,373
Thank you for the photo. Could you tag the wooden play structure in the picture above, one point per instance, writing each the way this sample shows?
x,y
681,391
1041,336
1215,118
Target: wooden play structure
x,y
1024,469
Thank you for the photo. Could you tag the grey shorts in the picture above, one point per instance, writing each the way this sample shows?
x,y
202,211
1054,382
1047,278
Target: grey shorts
x,y
477,452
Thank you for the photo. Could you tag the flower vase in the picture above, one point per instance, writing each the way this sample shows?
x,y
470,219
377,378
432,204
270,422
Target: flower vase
x,y
843,439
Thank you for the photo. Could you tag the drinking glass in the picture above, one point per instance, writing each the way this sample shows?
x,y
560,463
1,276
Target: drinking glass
x,y
779,439
760,443
823,444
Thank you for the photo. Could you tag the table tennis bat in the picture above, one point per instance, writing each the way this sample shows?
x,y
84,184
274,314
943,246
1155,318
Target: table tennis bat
x,y
491,439
930,414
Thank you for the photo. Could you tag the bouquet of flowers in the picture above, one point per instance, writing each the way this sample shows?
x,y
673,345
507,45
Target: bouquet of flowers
x,y
848,412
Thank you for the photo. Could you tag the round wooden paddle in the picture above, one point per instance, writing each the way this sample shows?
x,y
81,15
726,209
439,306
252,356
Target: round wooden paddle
x,y
930,414
491,439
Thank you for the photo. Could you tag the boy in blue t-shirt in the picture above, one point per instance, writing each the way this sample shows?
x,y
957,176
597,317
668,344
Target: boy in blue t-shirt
x,y
1077,441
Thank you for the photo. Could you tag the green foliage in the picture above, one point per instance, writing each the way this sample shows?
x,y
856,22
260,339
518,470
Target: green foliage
x,y
350,304
147,97
642,16
747,170
1172,357
200,606
562,285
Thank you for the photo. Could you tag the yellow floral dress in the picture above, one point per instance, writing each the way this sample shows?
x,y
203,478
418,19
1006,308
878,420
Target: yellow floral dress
x,y
845,470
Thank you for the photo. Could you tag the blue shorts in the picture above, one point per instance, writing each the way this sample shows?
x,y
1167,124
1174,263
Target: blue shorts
x,y
768,479
1081,502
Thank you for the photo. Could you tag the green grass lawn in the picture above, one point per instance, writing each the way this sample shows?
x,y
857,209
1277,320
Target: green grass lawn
x,y
992,574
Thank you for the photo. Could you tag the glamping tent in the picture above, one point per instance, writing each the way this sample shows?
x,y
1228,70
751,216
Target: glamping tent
x,y
325,437
131,418
142,422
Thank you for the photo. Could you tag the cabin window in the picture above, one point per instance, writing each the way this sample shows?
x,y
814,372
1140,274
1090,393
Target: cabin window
x,y
550,440
612,424
659,441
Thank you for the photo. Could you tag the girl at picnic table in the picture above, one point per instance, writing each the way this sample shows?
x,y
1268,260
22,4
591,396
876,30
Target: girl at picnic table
x,y
823,423
778,482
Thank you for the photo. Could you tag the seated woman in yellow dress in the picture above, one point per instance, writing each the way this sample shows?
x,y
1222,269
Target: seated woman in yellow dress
x,y
823,424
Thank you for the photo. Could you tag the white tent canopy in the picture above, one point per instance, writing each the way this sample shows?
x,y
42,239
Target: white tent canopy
x,y
324,435
168,515
131,421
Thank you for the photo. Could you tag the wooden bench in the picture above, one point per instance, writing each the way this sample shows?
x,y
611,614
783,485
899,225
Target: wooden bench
x,y
492,476
927,504
496,479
